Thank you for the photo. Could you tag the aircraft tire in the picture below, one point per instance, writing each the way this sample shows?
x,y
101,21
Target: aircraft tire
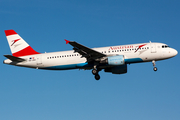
x,y
94,72
155,68
97,77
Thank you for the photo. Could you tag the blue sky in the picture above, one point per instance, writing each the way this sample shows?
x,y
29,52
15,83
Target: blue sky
x,y
141,94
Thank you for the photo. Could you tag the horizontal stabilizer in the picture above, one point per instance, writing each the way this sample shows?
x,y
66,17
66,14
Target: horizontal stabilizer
x,y
14,59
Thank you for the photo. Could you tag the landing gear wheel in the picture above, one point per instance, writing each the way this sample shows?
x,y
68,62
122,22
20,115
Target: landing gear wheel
x,y
154,64
97,77
155,68
94,72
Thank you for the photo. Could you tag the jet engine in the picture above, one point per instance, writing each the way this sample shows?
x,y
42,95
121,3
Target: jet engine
x,y
116,60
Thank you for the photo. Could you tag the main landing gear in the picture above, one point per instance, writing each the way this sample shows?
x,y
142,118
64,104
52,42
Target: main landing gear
x,y
154,65
95,72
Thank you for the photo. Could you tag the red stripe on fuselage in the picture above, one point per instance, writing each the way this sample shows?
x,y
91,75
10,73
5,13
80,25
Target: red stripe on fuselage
x,y
26,51
9,32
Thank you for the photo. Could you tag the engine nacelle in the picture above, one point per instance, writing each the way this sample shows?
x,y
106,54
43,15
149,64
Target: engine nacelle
x,y
116,60
117,69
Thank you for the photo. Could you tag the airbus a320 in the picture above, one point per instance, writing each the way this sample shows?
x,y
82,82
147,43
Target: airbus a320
x,y
112,59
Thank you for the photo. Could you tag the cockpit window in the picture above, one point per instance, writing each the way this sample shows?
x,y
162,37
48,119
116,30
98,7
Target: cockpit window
x,y
165,46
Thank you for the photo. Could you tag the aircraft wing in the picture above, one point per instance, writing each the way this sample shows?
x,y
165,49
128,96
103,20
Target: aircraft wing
x,y
86,52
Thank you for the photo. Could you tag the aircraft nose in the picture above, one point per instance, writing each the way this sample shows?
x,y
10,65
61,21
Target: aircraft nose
x,y
174,52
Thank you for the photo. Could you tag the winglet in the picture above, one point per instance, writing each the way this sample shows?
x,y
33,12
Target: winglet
x,y
67,41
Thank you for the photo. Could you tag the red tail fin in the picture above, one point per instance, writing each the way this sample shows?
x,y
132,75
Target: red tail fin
x,y
18,46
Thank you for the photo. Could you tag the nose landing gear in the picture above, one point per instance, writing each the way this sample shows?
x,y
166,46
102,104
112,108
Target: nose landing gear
x,y
154,65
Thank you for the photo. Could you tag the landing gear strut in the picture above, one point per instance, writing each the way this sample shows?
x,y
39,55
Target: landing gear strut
x,y
154,65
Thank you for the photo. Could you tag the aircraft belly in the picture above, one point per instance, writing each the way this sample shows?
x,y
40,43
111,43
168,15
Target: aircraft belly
x,y
67,66
133,60
63,64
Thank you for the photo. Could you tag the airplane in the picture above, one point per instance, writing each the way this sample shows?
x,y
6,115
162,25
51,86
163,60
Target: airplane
x,y
112,59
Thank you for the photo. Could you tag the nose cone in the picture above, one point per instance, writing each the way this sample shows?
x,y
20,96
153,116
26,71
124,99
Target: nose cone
x,y
174,52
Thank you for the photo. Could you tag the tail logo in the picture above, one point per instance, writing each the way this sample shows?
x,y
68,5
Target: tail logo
x,y
14,41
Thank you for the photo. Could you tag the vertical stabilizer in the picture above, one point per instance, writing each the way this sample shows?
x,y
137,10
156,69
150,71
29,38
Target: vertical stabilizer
x,y
18,46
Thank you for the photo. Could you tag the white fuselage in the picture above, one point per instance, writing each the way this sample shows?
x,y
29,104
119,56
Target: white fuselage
x,y
133,53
